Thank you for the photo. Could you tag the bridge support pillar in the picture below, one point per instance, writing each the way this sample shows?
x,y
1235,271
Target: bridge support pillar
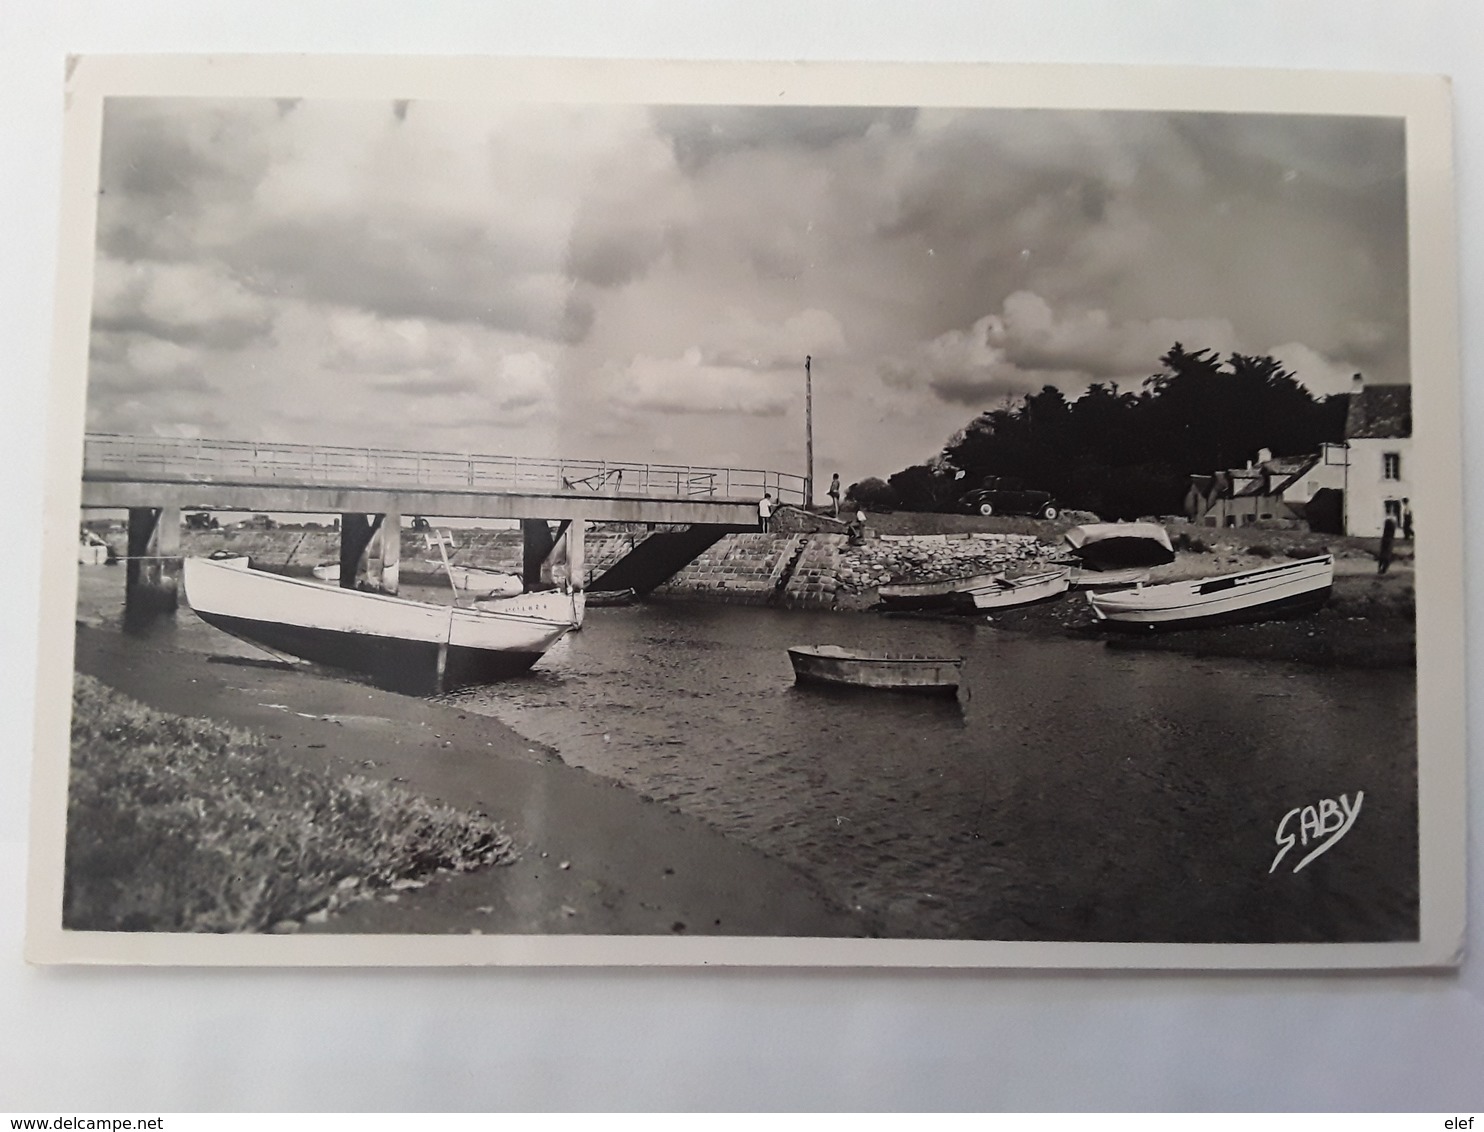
x,y
153,564
577,554
537,544
384,554
355,537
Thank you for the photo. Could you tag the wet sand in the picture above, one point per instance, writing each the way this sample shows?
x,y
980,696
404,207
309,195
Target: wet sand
x,y
595,858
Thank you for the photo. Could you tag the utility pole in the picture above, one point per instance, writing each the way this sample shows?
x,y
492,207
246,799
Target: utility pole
x,y
808,434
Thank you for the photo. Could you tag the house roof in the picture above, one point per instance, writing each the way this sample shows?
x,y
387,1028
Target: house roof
x,y
1377,411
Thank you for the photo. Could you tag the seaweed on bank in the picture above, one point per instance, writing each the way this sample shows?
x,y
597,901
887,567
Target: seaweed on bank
x,y
186,825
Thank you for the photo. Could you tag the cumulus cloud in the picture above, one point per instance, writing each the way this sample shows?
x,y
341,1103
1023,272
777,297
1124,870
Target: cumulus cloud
x,y
687,384
744,341
178,302
462,366
1028,344
1319,374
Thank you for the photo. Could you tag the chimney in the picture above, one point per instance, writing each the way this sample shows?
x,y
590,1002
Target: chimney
x,y
1264,455
1357,383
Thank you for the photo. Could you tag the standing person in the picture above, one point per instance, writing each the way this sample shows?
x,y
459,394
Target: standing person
x,y
835,495
1406,520
1388,536
765,512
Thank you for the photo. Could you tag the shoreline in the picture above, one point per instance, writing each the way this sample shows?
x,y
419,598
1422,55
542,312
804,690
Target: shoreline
x,y
594,857
1369,622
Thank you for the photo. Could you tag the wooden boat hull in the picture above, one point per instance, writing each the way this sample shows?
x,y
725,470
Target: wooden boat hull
x,y
1010,592
1270,593
408,645
601,599
1109,579
944,593
827,665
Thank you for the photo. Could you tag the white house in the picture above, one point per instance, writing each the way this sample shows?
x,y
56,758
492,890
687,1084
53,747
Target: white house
x,y
1378,435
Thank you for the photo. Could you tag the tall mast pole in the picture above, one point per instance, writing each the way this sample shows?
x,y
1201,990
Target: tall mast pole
x,y
808,434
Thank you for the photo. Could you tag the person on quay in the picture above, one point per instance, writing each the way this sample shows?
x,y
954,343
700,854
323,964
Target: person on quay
x,y
835,495
765,512
1388,536
1406,520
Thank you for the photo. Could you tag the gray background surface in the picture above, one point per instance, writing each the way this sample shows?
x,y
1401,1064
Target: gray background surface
x,y
90,1040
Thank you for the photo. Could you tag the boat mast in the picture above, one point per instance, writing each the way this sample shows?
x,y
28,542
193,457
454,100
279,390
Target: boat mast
x,y
808,434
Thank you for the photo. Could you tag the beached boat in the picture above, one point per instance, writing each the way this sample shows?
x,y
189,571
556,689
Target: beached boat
x,y
538,601
604,598
942,593
1267,593
1112,546
1005,592
92,550
327,572
1084,579
841,668
481,582
409,645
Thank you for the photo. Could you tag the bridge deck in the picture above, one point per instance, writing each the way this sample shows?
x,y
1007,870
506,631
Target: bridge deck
x,y
133,471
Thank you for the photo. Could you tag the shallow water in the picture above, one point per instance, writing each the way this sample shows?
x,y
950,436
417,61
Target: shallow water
x,y
1070,793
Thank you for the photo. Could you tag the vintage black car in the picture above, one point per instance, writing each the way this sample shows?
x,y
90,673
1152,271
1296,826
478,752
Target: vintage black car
x,y
1001,496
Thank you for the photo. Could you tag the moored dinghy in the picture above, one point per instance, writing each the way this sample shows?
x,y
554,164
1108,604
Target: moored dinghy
x,y
409,645
1025,589
1267,593
840,668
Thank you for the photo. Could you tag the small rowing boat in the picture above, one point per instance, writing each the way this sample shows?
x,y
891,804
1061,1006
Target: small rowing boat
x,y
941,593
1006,592
478,581
837,667
604,598
1083,579
1268,593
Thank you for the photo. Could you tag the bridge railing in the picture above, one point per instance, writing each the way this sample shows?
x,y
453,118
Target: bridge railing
x,y
173,459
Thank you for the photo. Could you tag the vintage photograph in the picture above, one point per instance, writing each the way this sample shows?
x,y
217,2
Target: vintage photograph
x,y
543,514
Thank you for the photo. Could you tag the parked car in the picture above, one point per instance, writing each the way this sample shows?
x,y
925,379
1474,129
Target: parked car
x,y
1000,496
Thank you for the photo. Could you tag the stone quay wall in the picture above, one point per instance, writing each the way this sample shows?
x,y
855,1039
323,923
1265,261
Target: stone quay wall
x,y
824,571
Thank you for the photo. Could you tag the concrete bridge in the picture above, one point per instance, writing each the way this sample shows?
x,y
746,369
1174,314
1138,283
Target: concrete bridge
x,y
157,478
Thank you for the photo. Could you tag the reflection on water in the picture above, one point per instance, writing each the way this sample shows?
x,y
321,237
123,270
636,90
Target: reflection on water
x,y
1069,793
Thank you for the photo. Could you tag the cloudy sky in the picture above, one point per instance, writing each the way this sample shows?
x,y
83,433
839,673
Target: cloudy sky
x,y
644,283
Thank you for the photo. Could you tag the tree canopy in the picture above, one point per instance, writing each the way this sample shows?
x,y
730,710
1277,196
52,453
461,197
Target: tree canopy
x,y
1122,454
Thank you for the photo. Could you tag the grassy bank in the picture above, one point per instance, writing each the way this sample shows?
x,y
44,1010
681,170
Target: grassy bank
x,y
178,824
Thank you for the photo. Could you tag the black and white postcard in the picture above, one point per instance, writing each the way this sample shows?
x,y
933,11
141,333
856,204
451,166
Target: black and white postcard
x,y
668,513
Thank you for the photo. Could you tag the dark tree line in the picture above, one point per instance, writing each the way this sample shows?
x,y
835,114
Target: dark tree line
x,y
1123,454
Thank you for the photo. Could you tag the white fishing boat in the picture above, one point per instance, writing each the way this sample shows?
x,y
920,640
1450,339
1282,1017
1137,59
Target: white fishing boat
x,y
1113,546
837,667
539,600
1005,592
409,645
1267,593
